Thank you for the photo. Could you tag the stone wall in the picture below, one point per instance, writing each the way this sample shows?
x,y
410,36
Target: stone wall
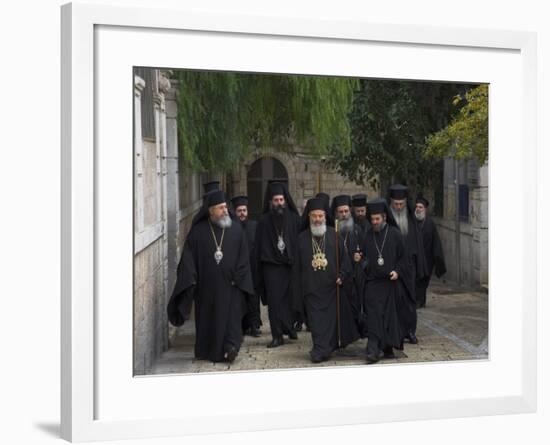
x,y
150,337
152,243
307,176
473,234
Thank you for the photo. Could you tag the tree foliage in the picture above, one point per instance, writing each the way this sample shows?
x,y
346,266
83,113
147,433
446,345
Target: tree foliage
x,y
223,116
390,121
467,136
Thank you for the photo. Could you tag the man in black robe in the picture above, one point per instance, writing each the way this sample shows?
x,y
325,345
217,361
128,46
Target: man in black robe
x,y
210,187
320,270
352,237
433,250
359,210
325,198
251,320
275,245
386,268
406,223
214,271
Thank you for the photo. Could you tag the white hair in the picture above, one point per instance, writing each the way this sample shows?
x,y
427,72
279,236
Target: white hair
x,y
224,222
318,230
346,225
420,216
401,219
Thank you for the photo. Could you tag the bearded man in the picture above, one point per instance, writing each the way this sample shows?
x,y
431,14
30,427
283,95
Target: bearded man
x,y
275,245
414,252
359,210
252,319
352,238
319,272
433,249
214,272
386,268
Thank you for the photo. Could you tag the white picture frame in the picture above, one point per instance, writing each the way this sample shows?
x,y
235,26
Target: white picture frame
x,y
90,367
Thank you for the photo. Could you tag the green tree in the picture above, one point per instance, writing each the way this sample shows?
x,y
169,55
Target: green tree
x,y
223,116
390,121
467,136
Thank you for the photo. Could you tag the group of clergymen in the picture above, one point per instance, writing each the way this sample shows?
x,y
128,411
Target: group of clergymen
x,y
347,269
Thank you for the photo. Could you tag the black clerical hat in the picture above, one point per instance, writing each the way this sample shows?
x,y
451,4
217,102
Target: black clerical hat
x,y
377,206
398,191
359,200
275,188
341,200
325,197
210,186
315,204
214,198
422,200
238,201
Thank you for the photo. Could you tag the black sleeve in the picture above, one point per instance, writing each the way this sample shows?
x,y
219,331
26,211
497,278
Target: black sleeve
x,y
257,278
181,299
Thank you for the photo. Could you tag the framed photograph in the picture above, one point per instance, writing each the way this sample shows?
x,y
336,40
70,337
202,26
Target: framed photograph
x,y
132,193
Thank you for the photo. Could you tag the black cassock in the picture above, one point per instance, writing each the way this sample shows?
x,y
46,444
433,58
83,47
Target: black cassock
x,y
252,316
317,290
219,290
416,271
383,296
273,269
355,288
433,253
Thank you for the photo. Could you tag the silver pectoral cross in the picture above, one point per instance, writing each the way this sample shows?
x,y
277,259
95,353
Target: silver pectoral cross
x,y
218,255
281,244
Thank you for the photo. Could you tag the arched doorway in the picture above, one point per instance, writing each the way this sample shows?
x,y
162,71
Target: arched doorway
x,y
260,172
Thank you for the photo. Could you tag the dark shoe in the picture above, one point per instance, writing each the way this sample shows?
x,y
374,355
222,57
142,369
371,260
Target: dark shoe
x,y
388,353
230,355
276,342
298,326
292,335
316,359
371,359
412,338
255,332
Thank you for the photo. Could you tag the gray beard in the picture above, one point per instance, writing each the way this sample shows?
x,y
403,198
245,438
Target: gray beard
x,y
224,222
319,230
401,220
420,216
346,225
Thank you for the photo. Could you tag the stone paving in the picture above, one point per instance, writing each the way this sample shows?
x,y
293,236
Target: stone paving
x,y
452,326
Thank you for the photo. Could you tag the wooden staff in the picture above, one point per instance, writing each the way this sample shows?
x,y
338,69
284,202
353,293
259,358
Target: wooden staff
x,y
337,285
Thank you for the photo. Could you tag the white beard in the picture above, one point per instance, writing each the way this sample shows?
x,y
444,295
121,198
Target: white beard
x,y
420,216
224,222
319,230
401,220
346,225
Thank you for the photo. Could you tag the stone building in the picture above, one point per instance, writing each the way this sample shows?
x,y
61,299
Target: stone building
x,y
464,222
166,197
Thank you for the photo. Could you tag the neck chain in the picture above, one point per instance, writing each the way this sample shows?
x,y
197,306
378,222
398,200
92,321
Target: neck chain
x,y
380,260
346,242
280,242
319,260
218,254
